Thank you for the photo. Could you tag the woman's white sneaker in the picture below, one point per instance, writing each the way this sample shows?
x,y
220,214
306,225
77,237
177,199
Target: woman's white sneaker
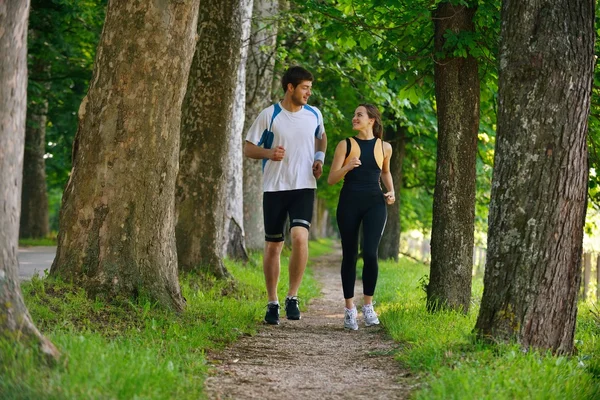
x,y
350,318
369,315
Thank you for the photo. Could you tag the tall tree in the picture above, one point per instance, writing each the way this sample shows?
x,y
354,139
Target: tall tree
x,y
205,129
15,321
321,224
457,97
62,40
259,79
34,221
117,222
234,245
538,200
389,247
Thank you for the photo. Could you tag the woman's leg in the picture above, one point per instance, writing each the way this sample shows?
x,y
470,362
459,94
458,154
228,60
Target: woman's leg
x,y
348,220
373,224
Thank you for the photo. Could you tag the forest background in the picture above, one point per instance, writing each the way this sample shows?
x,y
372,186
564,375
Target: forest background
x,y
357,52
425,65
428,65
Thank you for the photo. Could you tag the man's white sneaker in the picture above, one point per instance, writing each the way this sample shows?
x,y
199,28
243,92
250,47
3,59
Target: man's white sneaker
x,y
350,318
369,315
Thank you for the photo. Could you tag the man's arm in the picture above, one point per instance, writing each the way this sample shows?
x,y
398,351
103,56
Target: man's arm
x,y
320,147
321,144
253,151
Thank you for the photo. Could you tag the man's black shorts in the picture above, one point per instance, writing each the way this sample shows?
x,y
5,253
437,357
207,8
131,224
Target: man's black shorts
x,y
298,204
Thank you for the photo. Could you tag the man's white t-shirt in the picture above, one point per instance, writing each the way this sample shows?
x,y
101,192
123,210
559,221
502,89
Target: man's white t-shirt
x,y
296,132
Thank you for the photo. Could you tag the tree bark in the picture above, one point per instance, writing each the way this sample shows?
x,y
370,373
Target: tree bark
x,y
389,247
320,219
205,129
587,274
234,245
452,234
117,221
539,186
259,78
34,199
598,279
15,321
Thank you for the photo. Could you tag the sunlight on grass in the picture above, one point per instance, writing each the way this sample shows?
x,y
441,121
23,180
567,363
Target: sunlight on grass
x,y
441,348
125,350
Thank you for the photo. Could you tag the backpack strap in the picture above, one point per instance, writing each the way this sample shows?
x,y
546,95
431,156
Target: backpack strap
x,y
312,110
352,149
276,111
348,147
266,139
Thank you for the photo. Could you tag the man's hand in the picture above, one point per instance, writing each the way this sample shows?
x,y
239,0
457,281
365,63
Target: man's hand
x,y
277,153
317,169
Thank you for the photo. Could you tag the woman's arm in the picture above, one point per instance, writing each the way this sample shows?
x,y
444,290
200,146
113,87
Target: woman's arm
x,y
338,170
386,175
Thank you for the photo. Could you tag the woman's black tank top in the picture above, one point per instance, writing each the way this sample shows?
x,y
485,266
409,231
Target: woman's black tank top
x,y
364,178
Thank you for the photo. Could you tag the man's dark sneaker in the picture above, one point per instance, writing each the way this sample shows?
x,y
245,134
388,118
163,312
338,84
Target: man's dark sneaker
x,y
291,308
272,315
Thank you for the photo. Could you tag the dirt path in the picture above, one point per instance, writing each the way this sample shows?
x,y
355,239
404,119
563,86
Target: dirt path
x,y
314,358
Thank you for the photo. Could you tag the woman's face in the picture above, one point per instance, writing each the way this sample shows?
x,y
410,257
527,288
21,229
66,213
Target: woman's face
x,y
361,119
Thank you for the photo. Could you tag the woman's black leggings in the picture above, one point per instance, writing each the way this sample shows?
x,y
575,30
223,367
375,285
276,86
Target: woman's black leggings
x,y
353,209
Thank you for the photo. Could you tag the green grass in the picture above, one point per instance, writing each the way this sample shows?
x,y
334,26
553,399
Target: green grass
x,y
47,241
450,364
135,350
127,350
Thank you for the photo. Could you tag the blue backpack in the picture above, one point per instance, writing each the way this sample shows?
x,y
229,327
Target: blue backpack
x,y
266,140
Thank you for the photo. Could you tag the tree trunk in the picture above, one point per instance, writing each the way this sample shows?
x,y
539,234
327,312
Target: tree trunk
x,y
587,274
598,279
234,245
452,233
117,222
259,78
205,128
15,321
539,186
34,199
389,247
320,219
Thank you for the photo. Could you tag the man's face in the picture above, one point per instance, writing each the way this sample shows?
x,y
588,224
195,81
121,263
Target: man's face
x,y
301,93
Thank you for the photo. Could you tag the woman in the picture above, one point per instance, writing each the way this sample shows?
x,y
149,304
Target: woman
x,y
361,161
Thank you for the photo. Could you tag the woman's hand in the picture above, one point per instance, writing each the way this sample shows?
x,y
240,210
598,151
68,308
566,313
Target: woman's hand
x,y
352,163
390,198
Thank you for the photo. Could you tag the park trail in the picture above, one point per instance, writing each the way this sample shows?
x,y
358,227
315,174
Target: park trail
x,y
313,358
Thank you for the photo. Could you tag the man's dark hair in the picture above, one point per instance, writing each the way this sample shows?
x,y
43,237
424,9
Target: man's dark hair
x,y
295,75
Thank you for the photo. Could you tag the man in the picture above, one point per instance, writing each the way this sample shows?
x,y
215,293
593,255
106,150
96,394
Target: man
x,y
293,140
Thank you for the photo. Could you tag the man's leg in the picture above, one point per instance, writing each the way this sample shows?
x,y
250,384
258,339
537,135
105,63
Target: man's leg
x,y
274,214
298,258
300,213
271,267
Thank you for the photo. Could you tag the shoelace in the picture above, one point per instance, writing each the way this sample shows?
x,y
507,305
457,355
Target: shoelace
x,y
369,312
